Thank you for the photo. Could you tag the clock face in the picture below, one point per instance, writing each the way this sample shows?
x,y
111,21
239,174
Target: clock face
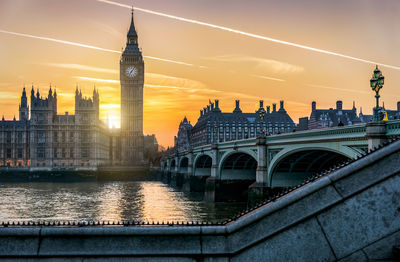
x,y
131,72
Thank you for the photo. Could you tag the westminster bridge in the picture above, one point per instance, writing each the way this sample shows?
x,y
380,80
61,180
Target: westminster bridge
x,y
259,167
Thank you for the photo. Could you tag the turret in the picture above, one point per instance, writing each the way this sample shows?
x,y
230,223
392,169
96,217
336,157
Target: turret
x,y
23,107
217,109
313,106
237,107
281,107
339,105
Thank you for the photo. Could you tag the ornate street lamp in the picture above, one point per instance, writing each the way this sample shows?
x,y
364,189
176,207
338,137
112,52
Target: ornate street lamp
x,y
262,114
377,81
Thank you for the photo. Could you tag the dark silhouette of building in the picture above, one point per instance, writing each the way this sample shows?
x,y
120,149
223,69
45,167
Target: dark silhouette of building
x,y
321,118
182,139
215,126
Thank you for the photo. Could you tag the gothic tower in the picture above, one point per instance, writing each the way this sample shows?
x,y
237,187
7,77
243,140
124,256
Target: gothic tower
x,y
132,80
23,107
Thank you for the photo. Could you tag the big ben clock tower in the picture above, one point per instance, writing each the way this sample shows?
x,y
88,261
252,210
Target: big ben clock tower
x,y
132,80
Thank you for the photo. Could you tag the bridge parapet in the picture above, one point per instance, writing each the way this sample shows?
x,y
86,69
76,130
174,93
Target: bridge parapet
x,y
393,128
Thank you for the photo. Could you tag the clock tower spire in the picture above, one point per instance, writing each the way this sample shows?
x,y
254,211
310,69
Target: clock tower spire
x,y
132,81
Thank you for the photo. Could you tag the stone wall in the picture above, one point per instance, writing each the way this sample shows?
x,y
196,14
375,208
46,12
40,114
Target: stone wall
x,y
351,214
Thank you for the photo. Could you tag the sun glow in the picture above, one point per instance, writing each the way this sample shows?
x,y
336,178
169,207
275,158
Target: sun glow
x,y
113,121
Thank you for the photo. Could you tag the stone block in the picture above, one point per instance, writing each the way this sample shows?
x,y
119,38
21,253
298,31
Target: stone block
x,y
214,244
119,245
48,259
283,218
358,256
364,218
216,259
139,259
369,175
383,249
303,242
19,241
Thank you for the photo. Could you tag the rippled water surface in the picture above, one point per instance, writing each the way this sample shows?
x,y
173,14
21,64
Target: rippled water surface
x,y
107,201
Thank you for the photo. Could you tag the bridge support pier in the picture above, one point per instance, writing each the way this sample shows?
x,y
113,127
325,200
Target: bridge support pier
x,y
260,190
376,134
211,182
188,176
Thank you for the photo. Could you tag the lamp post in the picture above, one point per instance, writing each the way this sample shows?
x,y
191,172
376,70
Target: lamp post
x,y
377,81
262,114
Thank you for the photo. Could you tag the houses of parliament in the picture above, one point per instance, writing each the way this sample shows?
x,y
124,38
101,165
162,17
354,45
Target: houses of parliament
x,y
43,139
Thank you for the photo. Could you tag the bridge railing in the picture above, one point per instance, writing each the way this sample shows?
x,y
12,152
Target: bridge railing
x,y
348,132
393,128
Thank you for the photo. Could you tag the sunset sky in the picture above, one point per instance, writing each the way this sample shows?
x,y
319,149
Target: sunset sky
x,y
187,63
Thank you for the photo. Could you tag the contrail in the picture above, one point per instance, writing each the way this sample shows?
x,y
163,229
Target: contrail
x,y
92,47
269,78
59,41
224,28
98,79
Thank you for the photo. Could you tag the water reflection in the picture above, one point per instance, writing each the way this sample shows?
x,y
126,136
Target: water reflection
x,y
143,201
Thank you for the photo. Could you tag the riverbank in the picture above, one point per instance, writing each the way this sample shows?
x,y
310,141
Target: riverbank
x,y
9,175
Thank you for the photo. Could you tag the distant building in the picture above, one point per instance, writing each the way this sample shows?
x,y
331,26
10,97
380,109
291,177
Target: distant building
x,y
365,118
150,148
321,118
182,139
215,126
46,140
14,137
393,114
49,140
303,124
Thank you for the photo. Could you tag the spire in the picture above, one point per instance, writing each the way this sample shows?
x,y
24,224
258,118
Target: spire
x,y
132,35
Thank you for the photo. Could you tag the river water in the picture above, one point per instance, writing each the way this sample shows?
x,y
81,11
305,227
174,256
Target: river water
x,y
149,201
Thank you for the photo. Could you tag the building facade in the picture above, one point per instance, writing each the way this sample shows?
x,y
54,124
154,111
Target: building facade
x,y
14,138
214,126
132,82
47,140
321,118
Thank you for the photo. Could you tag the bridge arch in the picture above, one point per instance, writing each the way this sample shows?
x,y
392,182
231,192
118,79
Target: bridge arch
x,y
202,165
172,165
291,167
183,164
238,165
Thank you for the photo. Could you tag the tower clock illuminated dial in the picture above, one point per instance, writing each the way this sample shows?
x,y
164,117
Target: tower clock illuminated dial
x,y
131,72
